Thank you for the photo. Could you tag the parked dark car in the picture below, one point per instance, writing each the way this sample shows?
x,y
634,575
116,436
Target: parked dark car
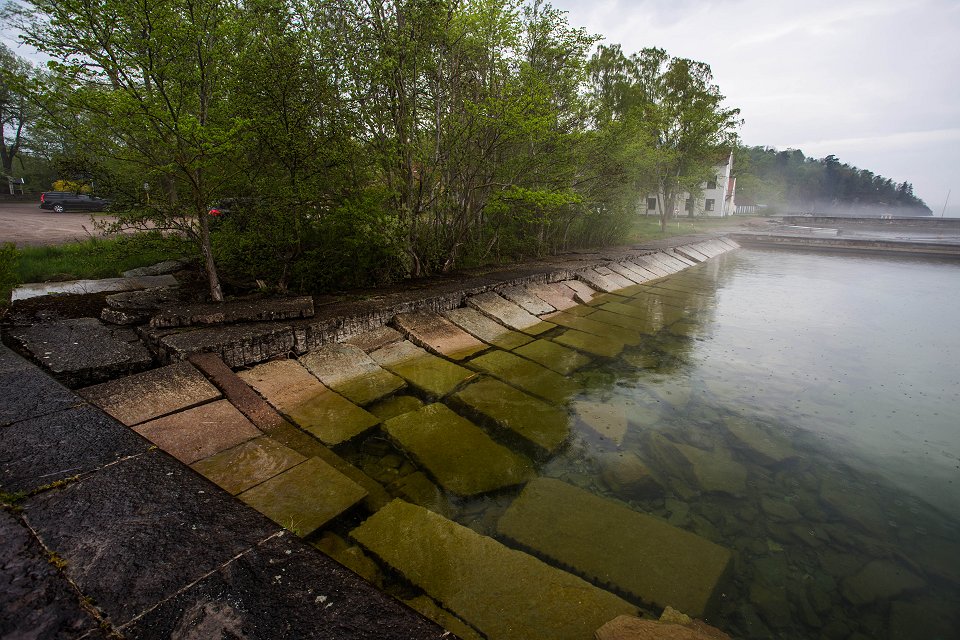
x,y
61,201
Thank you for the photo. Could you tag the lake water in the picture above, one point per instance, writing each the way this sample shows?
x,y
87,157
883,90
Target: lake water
x,y
799,409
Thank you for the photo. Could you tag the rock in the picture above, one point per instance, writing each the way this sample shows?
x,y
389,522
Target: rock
x,y
444,618
769,447
856,503
626,475
632,628
606,418
879,580
250,310
595,327
779,509
503,593
135,307
350,372
923,620
611,544
351,556
715,471
418,489
395,406
772,604
589,343
460,455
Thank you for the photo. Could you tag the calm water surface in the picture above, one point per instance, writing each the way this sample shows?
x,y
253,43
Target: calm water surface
x,y
824,391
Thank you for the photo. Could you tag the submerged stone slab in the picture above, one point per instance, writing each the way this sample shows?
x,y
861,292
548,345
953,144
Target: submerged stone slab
x,y
768,446
609,420
502,310
459,454
553,356
437,334
349,371
83,351
505,594
589,343
556,295
306,497
200,432
611,544
255,310
152,394
490,331
435,376
542,424
238,345
375,338
247,465
596,327
526,375
526,299
712,471
294,391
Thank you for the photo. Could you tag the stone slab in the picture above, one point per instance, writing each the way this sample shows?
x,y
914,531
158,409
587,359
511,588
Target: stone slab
x,y
611,544
459,454
582,293
438,335
678,256
35,601
27,391
556,295
667,258
505,312
600,281
64,348
614,276
608,419
200,432
629,272
247,465
526,375
158,269
768,446
137,532
35,289
253,310
349,371
490,331
651,265
238,345
589,343
527,300
542,424
305,497
151,394
56,446
633,628
136,307
553,356
505,594
238,392
375,338
691,253
596,327
294,391
283,589
434,376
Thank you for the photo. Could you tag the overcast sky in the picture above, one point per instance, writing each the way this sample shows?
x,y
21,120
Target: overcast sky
x,y
874,82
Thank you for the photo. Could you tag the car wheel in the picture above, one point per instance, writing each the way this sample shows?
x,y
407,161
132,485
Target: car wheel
x,y
58,208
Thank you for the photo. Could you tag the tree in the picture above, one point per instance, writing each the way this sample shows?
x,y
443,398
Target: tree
x,y
17,112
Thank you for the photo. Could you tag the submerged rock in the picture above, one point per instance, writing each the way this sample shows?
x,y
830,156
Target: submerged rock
x,y
626,475
879,580
632,628
715,470
769,447
779,509
606,418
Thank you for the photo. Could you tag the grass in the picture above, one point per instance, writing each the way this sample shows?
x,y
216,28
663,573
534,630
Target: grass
x,y
95,258
648,227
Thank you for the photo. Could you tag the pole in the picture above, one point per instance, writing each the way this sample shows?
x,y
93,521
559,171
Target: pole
x,y
945,203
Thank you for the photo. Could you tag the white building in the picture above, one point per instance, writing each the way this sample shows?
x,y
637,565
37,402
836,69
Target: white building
x,y
717,199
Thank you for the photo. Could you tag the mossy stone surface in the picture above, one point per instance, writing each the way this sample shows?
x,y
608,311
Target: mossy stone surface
x,y
429,373
490,331
305,497
715,470
590,343
458,453
503,593
527,375
553,356
596,327
395,406
246,465
543,424
609,543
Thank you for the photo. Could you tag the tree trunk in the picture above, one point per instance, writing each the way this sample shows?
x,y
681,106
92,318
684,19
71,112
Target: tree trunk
x,y
216,294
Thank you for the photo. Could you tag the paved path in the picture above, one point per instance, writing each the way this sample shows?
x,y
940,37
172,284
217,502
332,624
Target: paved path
x,y
26,224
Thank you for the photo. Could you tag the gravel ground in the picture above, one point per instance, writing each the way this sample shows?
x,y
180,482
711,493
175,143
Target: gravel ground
x,y
26,224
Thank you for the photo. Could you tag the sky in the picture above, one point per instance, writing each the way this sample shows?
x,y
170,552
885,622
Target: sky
x,y
874,82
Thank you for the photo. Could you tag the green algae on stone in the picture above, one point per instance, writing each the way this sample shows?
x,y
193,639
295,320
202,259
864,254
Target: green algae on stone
x,y
305,497
395,406
459,454
596,327
430,609
351,556
597,345
610,544
246,465
553,356
421,490
349,371
503,593
543,424
427,372
526,375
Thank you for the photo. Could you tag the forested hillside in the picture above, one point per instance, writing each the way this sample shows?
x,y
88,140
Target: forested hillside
x,y
789,182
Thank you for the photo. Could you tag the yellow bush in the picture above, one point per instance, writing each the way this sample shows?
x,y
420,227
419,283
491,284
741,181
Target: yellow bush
x,y
70,185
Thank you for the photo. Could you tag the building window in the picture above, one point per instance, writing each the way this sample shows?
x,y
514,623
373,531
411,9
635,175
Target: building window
x,y
688,206
651,204
708,206
712,184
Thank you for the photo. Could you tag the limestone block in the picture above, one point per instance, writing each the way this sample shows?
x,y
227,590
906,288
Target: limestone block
x,y
490,331
350,372
553,356
600,281
526,375
556,295
544,425
678,256
435,376
375,338
503,593
617,278
526,299
715,470
459,454
879,580
505,312
305,497
253,310
631,272
610,544
627,476
200,432
294,391
582,293
246,465
437,334
651,265
596,327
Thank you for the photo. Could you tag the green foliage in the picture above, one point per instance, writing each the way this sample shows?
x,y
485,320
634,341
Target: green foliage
x,y
9,259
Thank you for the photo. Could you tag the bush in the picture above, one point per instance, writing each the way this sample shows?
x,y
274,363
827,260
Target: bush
x,y
9,258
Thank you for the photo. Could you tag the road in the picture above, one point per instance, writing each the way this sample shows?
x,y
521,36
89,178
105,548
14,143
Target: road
x,y
26,224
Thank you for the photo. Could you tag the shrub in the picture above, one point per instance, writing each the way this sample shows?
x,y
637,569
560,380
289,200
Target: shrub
x,y
9,257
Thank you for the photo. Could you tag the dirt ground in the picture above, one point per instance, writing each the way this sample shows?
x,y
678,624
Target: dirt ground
x,y
26,224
